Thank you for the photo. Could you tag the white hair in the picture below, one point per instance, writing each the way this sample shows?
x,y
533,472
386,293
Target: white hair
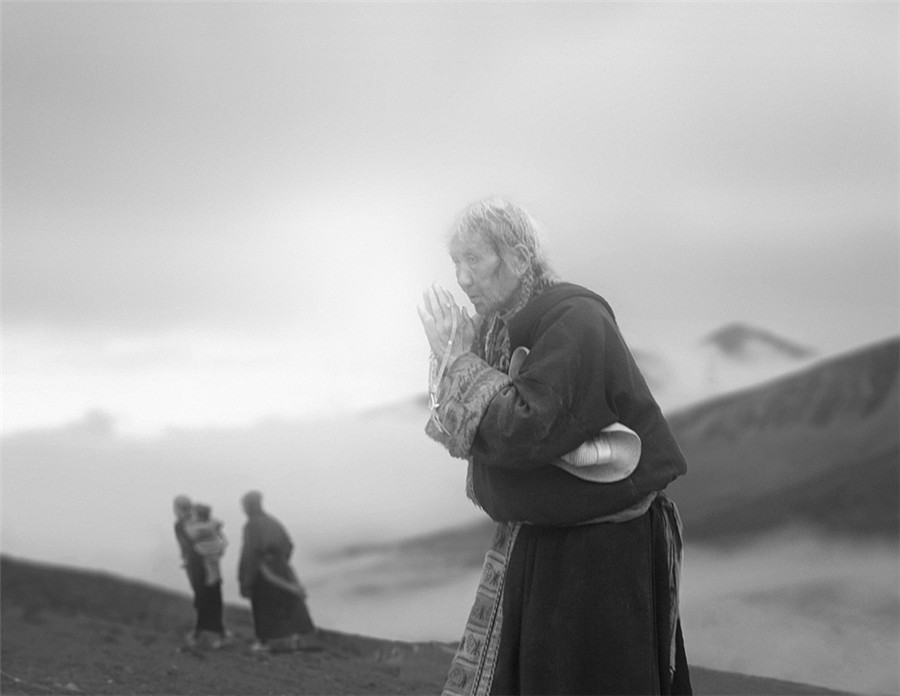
x,y
509,229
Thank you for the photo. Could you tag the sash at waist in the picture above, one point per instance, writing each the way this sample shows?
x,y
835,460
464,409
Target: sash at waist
x,y
632,513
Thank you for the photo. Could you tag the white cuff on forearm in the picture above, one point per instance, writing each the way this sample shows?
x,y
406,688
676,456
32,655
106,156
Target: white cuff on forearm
x,y
611,456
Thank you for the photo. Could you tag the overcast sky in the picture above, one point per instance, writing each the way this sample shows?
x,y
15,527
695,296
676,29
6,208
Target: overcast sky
x,y
219,211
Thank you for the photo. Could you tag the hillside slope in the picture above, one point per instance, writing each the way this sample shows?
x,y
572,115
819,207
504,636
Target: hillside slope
x,y
819,448
69,631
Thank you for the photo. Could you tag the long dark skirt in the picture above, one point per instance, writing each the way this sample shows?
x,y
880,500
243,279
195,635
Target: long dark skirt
x,y
278,613
207,598
585,610
208,603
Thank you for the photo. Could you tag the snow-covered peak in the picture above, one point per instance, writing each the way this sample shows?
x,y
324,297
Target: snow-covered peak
x,y
733,357
750,344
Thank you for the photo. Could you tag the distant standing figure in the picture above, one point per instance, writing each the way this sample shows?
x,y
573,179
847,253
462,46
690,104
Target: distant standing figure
x,y
280,617
209,630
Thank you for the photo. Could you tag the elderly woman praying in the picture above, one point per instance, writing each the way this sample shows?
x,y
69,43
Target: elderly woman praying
x,y
569,453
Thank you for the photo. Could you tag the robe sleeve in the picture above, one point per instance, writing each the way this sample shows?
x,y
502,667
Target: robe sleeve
x,y
578,379
566,392
463,395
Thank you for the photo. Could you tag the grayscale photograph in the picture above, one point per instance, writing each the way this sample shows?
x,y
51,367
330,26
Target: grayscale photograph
x,y
465,348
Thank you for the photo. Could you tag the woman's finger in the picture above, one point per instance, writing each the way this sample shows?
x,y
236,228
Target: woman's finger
x,y
426,302
431,331
434,303
447,299
424,315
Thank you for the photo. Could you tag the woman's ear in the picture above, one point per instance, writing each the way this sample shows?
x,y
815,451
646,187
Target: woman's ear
x,y
521,260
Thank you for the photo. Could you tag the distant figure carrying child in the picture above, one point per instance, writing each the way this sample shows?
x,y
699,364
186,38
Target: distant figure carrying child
x,y
280,617
202,571
208,540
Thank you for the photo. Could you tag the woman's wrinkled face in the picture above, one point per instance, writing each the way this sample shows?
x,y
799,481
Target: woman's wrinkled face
x,y
482,274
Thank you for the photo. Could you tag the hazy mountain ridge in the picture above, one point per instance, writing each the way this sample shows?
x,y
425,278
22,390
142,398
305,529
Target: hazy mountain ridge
x,y
853,385
732,358
820,447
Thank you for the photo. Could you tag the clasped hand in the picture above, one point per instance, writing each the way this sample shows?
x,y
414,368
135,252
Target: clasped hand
x,y
437,314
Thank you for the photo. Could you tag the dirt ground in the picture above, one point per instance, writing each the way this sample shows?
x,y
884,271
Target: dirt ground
x,y
71,632
67,632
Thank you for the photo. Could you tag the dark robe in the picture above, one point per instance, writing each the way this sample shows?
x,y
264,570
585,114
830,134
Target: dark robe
x,y
579,377
587,608
277,612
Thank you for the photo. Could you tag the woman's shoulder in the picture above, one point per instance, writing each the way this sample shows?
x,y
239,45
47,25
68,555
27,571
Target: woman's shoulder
x,y
567,295
567,302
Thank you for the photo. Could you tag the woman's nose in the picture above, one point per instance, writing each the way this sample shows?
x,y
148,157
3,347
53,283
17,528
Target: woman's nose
x,y
463,277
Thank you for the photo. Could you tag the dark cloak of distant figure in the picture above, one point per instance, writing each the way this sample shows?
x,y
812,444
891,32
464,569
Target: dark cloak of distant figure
x,y
280,617
209,630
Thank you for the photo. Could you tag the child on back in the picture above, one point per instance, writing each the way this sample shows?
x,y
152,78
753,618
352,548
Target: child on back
x,y
205,532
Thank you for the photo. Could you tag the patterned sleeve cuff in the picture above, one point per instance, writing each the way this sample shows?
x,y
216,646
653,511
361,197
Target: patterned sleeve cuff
x,y
463,396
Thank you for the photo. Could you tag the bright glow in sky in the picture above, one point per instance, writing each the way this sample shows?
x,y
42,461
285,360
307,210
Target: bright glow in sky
x,y
214,212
